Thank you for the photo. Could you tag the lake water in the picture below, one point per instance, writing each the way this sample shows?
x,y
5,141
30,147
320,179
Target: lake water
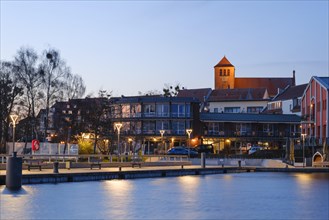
x,y
222,196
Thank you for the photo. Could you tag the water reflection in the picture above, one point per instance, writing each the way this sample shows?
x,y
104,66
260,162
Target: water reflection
x,y
11,200
118,194
224,196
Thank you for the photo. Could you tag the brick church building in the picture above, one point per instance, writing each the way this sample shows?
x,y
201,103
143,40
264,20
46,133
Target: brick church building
x,y
225,79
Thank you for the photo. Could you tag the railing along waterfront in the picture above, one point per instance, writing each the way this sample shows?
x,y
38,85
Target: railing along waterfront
x,y
105,158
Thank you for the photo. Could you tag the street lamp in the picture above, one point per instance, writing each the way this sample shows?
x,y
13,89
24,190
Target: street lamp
x,y
14,121
303,137
189,131
118,127
162,132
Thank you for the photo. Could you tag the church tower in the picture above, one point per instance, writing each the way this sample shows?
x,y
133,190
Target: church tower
x,y
224,74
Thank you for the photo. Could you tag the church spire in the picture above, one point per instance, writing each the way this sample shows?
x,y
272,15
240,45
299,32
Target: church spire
x,y
224,62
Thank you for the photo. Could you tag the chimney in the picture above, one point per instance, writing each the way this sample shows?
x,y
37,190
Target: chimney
x,y
293,78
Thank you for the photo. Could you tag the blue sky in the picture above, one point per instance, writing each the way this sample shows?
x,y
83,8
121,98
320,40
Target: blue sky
x,y
131,46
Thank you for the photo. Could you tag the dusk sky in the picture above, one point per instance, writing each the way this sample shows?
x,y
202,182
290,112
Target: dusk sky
x,y
131,46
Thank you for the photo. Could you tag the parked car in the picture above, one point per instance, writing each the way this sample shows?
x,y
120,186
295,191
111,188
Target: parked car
x,y
182,151
205,148
253,149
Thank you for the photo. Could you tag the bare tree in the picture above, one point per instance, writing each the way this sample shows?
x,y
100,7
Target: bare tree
x,y
9,92
54,72
74,87
26,70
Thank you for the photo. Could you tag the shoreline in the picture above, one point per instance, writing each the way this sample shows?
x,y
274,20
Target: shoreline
x,y
109,173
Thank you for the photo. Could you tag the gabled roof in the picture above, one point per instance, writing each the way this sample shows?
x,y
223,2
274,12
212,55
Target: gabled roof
x,y
223,63
244,117
200,94
249,94
291,92
323,80
272,84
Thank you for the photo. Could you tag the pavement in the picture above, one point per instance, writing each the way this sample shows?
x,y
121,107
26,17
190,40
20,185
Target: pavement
x,y
107,169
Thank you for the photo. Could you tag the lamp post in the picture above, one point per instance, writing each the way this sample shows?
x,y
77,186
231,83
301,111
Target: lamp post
x,y
303,137
14,121
162,132
189,131
14,164
118,127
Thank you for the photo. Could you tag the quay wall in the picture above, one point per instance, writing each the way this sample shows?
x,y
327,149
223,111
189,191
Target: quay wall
x,y
152,173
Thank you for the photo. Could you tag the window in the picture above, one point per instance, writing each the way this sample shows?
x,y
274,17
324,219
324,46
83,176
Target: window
x,y
254,109
178,127
178,110
232,109
135,110
149,110
216,110
149,127
228,72
162,110
224,72
125,111
162,125
213,128
220,72
241,129
268,129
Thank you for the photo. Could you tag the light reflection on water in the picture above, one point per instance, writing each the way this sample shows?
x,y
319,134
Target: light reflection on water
x,y
224,196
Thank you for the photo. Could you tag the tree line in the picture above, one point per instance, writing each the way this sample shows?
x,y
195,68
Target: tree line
x,y
31,82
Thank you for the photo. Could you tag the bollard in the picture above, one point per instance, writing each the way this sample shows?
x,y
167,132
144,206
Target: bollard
x,y
203,160
14,172
239,162
55,167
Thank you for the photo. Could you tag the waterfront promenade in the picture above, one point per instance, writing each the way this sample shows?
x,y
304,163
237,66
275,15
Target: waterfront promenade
x,y
80,174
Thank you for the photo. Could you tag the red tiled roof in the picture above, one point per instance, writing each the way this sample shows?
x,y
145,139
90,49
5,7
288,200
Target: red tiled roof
x,y
272,84
238,94
196,93
224,62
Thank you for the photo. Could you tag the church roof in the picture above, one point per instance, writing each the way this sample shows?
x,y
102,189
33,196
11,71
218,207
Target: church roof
x,y
224,63
272,84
